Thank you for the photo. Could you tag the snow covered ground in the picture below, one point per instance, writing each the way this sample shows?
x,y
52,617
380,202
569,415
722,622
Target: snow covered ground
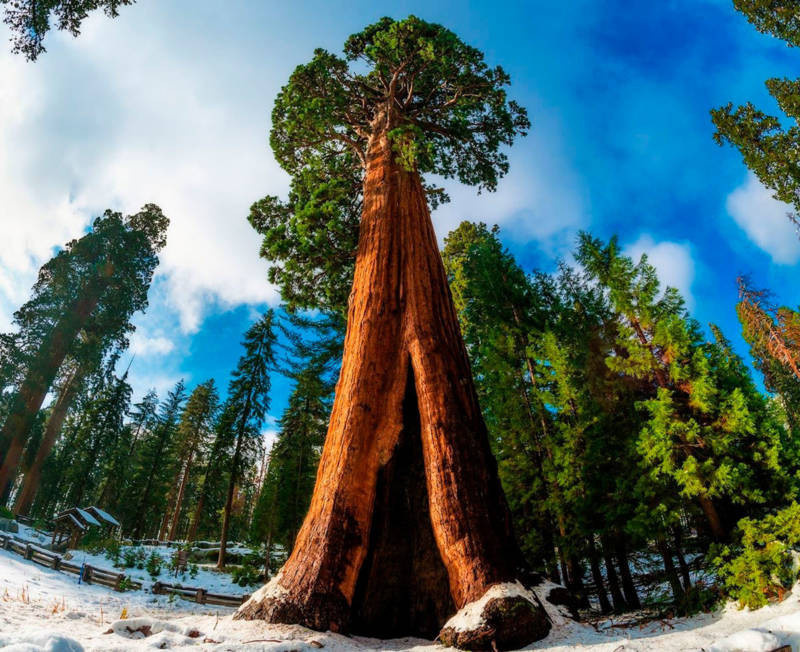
x,y
207,576
41,609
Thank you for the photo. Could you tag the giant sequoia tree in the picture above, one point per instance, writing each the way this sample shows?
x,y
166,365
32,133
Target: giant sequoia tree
x,y
408,521
81,306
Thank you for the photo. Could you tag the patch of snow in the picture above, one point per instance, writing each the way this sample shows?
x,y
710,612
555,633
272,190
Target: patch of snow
x,y
39,642
272,589
470,616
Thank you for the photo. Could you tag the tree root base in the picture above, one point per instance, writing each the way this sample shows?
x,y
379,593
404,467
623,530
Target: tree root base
x,y
507,617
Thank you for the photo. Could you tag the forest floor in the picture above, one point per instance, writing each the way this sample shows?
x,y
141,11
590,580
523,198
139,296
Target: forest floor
x,y
41,609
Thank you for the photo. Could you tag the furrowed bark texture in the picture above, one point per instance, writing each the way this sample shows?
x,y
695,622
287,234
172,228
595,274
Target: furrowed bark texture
x,y
406,441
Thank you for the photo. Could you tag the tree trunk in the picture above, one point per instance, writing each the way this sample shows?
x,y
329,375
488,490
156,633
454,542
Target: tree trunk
x,y
628,587
712,516
684,567
405,409
613,580
597,577
173,530
226,516
669,567
575,584
40,375
30,484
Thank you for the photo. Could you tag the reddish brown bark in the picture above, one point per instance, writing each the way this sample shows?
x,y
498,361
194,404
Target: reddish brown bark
x,y
405,378
30,484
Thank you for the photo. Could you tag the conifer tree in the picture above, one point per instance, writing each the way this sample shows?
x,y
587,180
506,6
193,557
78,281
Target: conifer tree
x,y
95,285
196,425
705,428
246,406
147,491
766,145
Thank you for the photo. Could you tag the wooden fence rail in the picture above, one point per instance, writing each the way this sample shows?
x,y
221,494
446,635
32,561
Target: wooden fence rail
x,y
114,579
199,595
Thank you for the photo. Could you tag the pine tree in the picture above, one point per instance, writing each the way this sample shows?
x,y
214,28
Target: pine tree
x,y
246,406
196,425
147,492
705,428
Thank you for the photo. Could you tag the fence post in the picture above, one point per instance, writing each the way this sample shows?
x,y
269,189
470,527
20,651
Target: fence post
x,y
119,581
87,574
28,551
156,588
200,596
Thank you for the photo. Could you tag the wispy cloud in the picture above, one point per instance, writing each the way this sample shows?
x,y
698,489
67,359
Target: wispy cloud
x,y
764,219
672,260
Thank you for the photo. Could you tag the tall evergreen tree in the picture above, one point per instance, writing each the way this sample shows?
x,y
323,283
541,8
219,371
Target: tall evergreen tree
x,y
705,427
95,284
156,452
196,425
246,406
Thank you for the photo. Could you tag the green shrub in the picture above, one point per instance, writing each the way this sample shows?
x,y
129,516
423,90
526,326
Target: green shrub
x,y
153,564
251,570
699,598
193,570
5,512
762,566
125,584
129,556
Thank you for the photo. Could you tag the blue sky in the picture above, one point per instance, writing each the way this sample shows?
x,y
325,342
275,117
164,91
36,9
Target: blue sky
x,y
170,103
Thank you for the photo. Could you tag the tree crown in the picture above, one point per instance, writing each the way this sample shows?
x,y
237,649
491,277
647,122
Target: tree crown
x,y
444,108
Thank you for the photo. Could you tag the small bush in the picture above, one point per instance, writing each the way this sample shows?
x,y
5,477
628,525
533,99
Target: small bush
x,y
698,598
193,570
154,564
251,570
761,567
5,512
125,584
129,557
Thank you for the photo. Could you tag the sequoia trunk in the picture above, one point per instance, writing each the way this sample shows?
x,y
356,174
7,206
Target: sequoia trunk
x,y
30,484
408,521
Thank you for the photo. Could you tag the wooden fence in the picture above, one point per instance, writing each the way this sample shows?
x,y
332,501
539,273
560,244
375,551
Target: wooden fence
x,y
113,579
199,595
89,574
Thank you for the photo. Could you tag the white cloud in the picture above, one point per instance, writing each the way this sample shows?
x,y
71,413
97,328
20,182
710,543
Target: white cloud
x,y
145,346
540,199
118,118
763,218
672,260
